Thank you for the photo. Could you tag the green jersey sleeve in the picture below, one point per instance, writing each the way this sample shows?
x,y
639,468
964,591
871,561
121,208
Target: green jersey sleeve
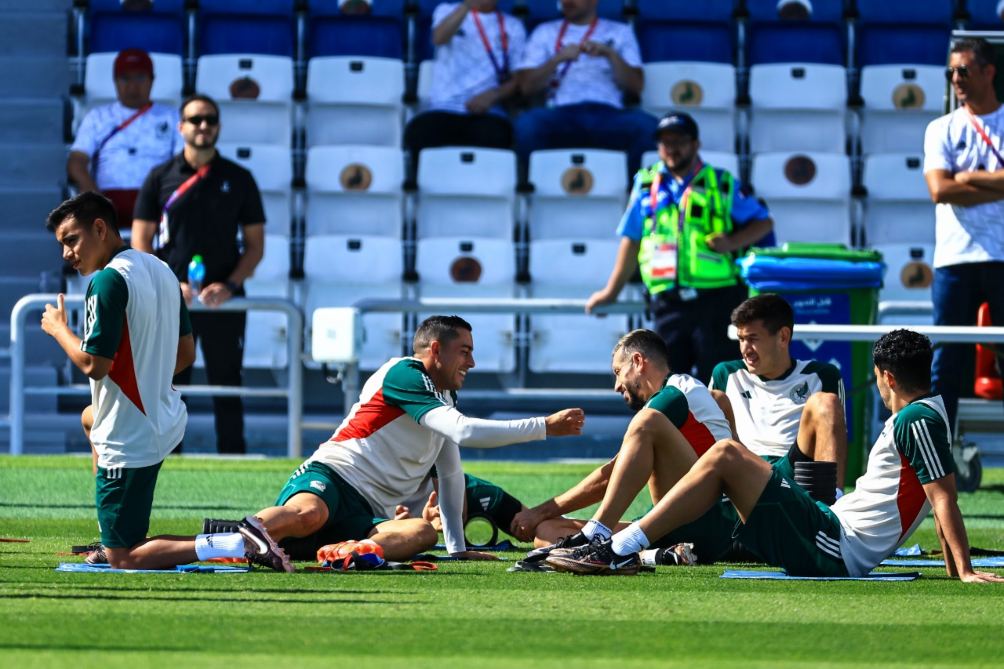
x,y
671,403
104,313
922,438
408,387
184,320
721,373
829,375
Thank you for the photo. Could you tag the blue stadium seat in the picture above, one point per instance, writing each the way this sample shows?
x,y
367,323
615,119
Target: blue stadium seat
x,y
539,11
904,31
821,38
379,33
983,15
160,28
254,26
684,30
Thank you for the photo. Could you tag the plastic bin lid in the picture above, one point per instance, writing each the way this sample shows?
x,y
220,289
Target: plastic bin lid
x,y
819,251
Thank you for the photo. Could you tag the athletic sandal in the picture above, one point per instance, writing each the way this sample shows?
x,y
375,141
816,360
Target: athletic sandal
x,y
260,548
599,559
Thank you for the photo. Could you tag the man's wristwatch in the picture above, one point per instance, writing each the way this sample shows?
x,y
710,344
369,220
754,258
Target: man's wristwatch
x,y
232,287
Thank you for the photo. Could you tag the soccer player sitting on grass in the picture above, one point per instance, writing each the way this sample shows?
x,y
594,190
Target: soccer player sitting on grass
x,y
137,336
677,420
785,410
910,472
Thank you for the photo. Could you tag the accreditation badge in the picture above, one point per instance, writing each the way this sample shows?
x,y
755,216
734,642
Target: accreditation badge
x,y
662,264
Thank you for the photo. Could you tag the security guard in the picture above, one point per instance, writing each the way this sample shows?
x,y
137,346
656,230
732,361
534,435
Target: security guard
x,y
683,227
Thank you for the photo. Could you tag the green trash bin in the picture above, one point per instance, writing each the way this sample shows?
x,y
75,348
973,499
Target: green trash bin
x,y
827,284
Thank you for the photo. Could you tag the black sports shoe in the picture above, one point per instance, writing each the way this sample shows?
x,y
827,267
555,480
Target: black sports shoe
x,y
260,548
563,544
217,526
596,559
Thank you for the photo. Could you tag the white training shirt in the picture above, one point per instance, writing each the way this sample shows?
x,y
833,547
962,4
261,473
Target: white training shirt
x,y
889,502
462,68
128,157
588,78
974,233
402,426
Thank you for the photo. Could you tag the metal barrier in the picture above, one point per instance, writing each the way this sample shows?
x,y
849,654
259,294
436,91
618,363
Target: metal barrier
x,y
292,391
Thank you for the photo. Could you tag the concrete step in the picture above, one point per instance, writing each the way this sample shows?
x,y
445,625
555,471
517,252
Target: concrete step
x,y
36,252
31,120
35,375
34,76
33,32
32,165
26,208
41,348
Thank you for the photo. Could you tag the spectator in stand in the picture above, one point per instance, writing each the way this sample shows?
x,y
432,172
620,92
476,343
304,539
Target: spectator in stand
x,y
585,65
118,143
477,47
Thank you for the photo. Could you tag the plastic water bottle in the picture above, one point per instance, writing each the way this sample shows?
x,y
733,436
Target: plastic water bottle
x,y
196,275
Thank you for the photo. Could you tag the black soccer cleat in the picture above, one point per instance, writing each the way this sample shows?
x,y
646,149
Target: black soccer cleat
x,y
217,526
598,558
562,545
260,548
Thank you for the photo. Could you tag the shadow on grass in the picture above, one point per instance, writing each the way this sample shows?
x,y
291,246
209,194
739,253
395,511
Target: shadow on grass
x,y
173,587
163,507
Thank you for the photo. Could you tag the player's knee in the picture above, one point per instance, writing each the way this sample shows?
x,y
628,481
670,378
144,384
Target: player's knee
x,y
425,535
824,406
311,513
724,453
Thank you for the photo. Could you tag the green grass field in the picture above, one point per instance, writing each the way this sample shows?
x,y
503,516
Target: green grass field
x,y
466,615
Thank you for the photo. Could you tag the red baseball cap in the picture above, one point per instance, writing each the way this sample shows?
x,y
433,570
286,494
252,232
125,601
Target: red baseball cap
x,y
133,60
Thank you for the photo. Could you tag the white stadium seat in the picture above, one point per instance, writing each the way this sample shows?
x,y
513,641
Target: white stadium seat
x,y
99,79
354,189
706,91
798,107
265,335
254,92
424,86
577,193
272,168
468,190
808,195
354,100
909,271
725,160
899,102
899,207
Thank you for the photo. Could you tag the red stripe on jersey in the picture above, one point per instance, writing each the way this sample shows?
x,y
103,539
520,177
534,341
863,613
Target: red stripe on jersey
x,y
369,418
698,434
910,498
123,370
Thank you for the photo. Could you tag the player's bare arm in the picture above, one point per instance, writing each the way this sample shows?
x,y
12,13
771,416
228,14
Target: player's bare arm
x,y
584,493
952,531
54,324
186,353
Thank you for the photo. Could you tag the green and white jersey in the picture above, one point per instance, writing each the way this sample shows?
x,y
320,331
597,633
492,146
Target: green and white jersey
x,y
402,426
134,315
689,406
889,502
768,411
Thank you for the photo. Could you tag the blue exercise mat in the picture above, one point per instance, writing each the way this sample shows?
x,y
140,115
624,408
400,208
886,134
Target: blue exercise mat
x,y
781,576
994,561
84,568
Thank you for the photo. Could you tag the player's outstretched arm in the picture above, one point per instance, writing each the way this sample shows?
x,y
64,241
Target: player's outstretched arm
x,y
952,531
54,324
480,433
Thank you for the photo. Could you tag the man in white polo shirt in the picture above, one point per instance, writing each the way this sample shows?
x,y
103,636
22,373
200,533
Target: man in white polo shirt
x,y
584,65
964,169
118,143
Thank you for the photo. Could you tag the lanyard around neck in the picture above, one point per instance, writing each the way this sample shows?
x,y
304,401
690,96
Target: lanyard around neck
x,y
501,71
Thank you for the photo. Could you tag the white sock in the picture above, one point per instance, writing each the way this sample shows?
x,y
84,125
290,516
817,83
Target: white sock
x,y
595,528
630,540
209,546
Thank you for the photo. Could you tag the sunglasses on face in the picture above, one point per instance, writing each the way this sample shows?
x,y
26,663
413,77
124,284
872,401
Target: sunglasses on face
x,y
962,70
208,119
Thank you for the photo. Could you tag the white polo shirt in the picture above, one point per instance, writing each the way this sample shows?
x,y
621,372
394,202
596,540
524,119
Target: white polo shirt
x,y
588,78
974,233
131,153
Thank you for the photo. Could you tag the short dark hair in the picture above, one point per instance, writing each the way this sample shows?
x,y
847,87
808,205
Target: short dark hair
x,y
438,328
772,309
983,51
907,356
84,209
646,342
198,97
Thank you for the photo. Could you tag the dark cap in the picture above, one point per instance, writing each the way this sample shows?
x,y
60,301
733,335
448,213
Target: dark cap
x,y
133,60
677,122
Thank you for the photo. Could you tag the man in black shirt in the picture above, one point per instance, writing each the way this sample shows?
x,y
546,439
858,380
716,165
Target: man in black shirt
x,y
199,203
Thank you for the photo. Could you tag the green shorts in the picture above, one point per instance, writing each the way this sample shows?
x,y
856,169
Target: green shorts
x,y
349,514
785,463
487,499
789,529
124,498
711,534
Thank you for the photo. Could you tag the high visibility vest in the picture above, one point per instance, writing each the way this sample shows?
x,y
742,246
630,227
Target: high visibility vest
x,y
675,253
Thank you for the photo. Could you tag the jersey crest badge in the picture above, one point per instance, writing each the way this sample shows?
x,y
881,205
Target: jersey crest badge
x,y
800,393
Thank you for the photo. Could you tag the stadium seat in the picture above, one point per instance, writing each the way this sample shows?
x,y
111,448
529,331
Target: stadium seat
x,y
899,102
908,271
983,15
706,91
99,79
818,38
423,47
354,100
798,107
807,194
260,27
539,11
340,270
899,207
379,33
682,30
272,169
572,269
423,90
897,32
355,190
254,93
466,190
265,338
578,193
725,160
160,27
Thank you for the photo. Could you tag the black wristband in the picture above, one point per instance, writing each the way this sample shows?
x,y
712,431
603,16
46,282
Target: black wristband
x,y
232,287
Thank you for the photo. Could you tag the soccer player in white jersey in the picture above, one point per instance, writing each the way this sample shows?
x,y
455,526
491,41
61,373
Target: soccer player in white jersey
x,y
677,420
405,422
910,472
137,336
785,410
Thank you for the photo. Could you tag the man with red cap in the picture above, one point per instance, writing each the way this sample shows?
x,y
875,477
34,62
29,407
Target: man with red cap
x,y
118,143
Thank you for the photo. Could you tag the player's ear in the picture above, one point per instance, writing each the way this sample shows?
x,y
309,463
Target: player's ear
x,y
784,334
100,228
